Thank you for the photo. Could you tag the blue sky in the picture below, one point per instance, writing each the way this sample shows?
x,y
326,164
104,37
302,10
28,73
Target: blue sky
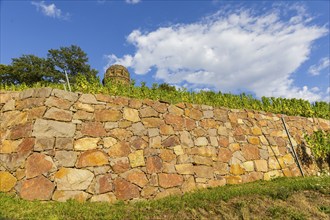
x,y
270,48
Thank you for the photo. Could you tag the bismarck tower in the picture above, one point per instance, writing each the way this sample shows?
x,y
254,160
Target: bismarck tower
x,y
117,74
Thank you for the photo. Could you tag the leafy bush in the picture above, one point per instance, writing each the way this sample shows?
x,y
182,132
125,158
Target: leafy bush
x,y
319,142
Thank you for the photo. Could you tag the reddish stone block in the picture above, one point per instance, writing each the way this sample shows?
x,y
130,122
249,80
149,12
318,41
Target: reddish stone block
x,y
175,120
37,164
224,155
154,165
21,131
38,188
250,152
93,129
92,158
125,190
170,180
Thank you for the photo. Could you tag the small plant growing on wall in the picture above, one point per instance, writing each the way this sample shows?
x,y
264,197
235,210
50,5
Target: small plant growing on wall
x,y
319,142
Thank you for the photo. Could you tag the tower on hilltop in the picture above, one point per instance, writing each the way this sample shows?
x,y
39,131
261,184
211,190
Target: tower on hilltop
x,y
117,74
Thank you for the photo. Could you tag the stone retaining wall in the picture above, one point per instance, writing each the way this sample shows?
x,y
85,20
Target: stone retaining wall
x,y
57,145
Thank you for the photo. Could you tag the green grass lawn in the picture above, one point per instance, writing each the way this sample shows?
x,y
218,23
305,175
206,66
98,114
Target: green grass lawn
x,y
283,198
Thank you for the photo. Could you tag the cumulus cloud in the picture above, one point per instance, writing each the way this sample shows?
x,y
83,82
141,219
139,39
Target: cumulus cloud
x,y
50,10
133,2
229,51
315,70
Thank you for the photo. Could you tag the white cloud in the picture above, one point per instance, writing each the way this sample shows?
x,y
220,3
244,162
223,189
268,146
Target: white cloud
x,y
229,51
132,1
50,10
315,70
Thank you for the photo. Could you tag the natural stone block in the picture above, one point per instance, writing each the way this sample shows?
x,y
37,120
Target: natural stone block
x,y
120,165
73,179
251,177
176,121
121,149
71,96
178,150
136,158
84,107
224,155
152,122
167,155
29,103
204,171
236,169
254,140
186,168
222,131
35,113
66,158
273,163
58,114
155,142
256,131
92,158
189,184
21,131
7,181
261,165
109,142
271,175
217,183
139,143
201,141
208,123
152,132
107,115
233,179
93,129
57,102
148,112
39,188
107,197
148,191
137,177
86,143
82,115
12,118
202,160
288,159
138,129
103,184
120,134
64,143
170,141
125,190
204,151
9,146
250,152
168,192
88,98
131,115
37,164
166,130
223,141
248,166
220,168
154,164
62,196
169,180
186,139
48,128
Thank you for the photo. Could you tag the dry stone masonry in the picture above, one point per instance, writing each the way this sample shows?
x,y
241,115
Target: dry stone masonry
x,y
58,145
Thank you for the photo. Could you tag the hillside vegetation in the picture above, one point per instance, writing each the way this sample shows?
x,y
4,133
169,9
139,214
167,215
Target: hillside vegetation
x,y
166,93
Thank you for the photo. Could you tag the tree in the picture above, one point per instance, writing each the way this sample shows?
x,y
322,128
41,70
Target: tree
x,y
73,60
6,76
28,69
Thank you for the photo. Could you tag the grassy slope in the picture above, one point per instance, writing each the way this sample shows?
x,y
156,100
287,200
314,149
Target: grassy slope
x,y
284,198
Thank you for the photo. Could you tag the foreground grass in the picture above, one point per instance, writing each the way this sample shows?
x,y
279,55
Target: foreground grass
x,y
284,198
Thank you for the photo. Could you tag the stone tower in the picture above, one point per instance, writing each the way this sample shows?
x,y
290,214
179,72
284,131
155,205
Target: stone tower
x,y
117,73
